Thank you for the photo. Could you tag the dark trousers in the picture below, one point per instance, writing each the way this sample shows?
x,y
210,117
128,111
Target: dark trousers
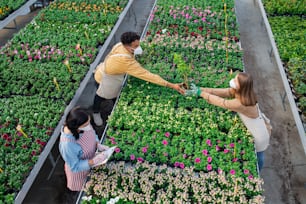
x,y
103,106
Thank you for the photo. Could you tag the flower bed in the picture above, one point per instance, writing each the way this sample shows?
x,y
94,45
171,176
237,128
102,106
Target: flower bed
x,y
9,6
41,68
172,148
287,20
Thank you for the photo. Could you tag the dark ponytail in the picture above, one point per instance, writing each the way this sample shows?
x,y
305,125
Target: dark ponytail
x,y
75,118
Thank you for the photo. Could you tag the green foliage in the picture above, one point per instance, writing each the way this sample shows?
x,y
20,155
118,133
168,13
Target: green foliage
x,y
183,69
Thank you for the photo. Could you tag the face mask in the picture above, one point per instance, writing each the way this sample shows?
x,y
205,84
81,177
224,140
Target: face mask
x,y
232,84
138,51
86,128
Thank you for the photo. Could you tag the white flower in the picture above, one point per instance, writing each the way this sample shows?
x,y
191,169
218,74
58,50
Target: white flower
x,y
87,198
113,200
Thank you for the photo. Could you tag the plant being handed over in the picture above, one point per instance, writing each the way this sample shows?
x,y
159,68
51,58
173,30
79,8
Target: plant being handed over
x,y
183,69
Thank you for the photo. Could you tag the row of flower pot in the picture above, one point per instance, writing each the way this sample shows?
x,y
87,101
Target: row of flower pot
x,y
42,67
287,20
7,7
172,148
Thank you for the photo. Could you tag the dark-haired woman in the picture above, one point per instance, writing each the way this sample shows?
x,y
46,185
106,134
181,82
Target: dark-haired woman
x,y
78,144
244,102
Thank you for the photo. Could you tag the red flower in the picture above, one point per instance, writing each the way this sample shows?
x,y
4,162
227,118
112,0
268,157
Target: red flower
x,y
5,136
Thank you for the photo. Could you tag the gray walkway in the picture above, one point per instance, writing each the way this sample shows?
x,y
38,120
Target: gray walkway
x,y
284,172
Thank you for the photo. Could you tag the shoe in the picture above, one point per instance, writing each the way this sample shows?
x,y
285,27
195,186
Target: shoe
x,y
97,119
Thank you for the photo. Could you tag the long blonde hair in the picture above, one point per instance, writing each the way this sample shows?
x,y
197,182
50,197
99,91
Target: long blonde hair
x,y
246,92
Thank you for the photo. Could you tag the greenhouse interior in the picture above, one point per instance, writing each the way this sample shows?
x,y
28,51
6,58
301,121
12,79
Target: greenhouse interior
x,y
175,137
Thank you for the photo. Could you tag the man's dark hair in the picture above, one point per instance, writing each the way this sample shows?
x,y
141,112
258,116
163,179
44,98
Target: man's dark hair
x,y
128,37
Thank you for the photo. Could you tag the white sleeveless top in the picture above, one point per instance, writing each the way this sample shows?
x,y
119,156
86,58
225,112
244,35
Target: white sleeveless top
x,y
257,128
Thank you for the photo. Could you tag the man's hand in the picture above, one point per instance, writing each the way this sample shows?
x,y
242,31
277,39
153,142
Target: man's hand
x,y
194,91
179,88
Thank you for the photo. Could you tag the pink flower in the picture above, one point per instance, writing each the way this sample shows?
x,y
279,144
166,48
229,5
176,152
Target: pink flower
x,y
205,152
235,159
182,165
232,171
217,148
144,149
165,154
242,152
176,164
33,153
209,159
209,167
226,151
220,171
157,130
250,177
139,159
117,149
246,171
184,156
232,145
167,134
197,160
208,142
132,157
165,142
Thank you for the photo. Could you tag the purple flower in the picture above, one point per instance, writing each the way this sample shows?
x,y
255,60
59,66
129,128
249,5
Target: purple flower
x,y
182,165
139,159
209,167
176,164
205,152
132,157
144,149
197,160
232,171
167,134
246,171
208,142
209,159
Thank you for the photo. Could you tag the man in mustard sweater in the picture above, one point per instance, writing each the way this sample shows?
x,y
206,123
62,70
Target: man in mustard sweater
x,y
120,61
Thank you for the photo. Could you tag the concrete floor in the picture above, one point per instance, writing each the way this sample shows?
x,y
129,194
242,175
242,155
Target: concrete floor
x,y
284,171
